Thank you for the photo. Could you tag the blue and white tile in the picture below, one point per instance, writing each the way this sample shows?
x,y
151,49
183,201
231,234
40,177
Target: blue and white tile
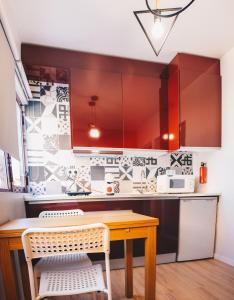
x,y
33,125
49,125
53,187
125,186
50,142
37,188
35,157
35,88
112,161
161,171
36,173
97,173
164,161
138,161
63,112
34,109
83,186
64,142
152,185
83,173
62,94
116,187
151,172
151,161
82,160
113,170
64,126
97,161
98,186
181,159
139,186
126,172
35,141
187,171
139,173
126,161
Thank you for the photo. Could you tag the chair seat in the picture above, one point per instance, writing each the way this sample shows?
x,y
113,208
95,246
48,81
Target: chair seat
x,y
67,261
71,282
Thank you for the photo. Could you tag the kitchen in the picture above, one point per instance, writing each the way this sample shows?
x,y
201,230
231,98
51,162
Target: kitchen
x,y
110,129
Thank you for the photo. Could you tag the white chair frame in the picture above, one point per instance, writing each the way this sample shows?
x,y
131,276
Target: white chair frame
x,y
61,213
46,242
72,261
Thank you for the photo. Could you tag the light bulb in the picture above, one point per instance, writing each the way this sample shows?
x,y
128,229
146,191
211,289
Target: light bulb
x,y
158,29
94,132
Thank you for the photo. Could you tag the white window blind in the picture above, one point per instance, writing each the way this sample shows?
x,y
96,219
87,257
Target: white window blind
x,y
8,119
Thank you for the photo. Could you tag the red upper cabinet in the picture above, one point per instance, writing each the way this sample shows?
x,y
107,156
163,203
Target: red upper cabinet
x,y
96,102
194,96
142,112
173,135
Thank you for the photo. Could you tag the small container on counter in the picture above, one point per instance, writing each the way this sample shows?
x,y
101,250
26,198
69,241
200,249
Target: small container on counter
x,y
203,173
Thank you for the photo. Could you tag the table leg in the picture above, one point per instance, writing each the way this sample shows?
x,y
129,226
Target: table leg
x,y
24,275
7,269
128,247
150,264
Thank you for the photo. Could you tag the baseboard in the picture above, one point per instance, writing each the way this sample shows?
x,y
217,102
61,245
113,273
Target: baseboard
x,y
224,259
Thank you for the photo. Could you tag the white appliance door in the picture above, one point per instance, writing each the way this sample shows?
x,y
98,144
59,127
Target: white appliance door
x,y
197,228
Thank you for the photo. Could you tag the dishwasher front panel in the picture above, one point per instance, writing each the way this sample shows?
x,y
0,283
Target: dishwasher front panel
x,y
197,228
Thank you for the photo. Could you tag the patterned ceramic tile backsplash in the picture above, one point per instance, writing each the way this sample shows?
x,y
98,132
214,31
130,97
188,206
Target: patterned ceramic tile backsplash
x,y
53,166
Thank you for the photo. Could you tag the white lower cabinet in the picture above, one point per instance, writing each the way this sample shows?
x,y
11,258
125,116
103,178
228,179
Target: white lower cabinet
x,y
197,226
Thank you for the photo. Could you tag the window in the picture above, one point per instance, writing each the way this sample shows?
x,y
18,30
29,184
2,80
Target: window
x,y
18,169
4,178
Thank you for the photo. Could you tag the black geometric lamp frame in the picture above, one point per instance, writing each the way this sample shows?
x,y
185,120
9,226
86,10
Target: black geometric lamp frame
x,y
161,13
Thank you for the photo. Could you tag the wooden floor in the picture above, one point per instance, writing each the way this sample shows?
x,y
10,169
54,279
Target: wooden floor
x,y
198,280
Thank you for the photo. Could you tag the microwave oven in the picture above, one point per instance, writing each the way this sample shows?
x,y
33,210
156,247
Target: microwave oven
x,y
175,184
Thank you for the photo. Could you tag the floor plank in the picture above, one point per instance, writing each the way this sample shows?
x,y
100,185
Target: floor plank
x,y
197,280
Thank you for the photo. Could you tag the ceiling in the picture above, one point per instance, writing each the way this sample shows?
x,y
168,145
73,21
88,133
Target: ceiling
x,y
109,27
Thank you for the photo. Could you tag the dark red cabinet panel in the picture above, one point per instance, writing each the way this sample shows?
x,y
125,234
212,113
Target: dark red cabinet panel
x,y
143,112
194,99
173,109
166,210
200,109
107,113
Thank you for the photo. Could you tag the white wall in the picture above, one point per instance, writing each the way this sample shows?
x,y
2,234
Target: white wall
x,y
221,166
12,206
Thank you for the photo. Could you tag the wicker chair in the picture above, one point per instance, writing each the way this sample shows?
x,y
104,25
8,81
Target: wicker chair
x,y
72,261
47,242
60,213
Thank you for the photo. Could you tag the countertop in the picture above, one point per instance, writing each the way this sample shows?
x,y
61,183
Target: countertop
x,y
102,197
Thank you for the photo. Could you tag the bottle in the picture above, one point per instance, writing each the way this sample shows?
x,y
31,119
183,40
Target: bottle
x,y
109,184
203,173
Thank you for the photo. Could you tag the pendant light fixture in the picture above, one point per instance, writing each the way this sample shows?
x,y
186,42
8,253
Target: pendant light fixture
x,y
158,22
94,132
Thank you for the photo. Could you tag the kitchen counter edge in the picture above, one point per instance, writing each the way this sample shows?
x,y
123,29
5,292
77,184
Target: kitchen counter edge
x,y
94,198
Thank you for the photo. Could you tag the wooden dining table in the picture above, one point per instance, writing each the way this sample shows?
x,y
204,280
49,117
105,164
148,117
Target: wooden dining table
x,y
123,225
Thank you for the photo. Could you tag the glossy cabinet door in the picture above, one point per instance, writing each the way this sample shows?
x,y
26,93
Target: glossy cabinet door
x,y
173,135
106,87
200,109
143,112
194,100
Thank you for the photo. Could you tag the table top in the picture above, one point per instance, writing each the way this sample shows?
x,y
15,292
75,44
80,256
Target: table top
x,y
113,220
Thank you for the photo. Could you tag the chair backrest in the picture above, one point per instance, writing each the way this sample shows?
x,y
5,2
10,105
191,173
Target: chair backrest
x,y
60,213
42,242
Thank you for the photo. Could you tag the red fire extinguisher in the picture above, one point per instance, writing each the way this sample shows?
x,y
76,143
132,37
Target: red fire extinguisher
x,y
203,173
